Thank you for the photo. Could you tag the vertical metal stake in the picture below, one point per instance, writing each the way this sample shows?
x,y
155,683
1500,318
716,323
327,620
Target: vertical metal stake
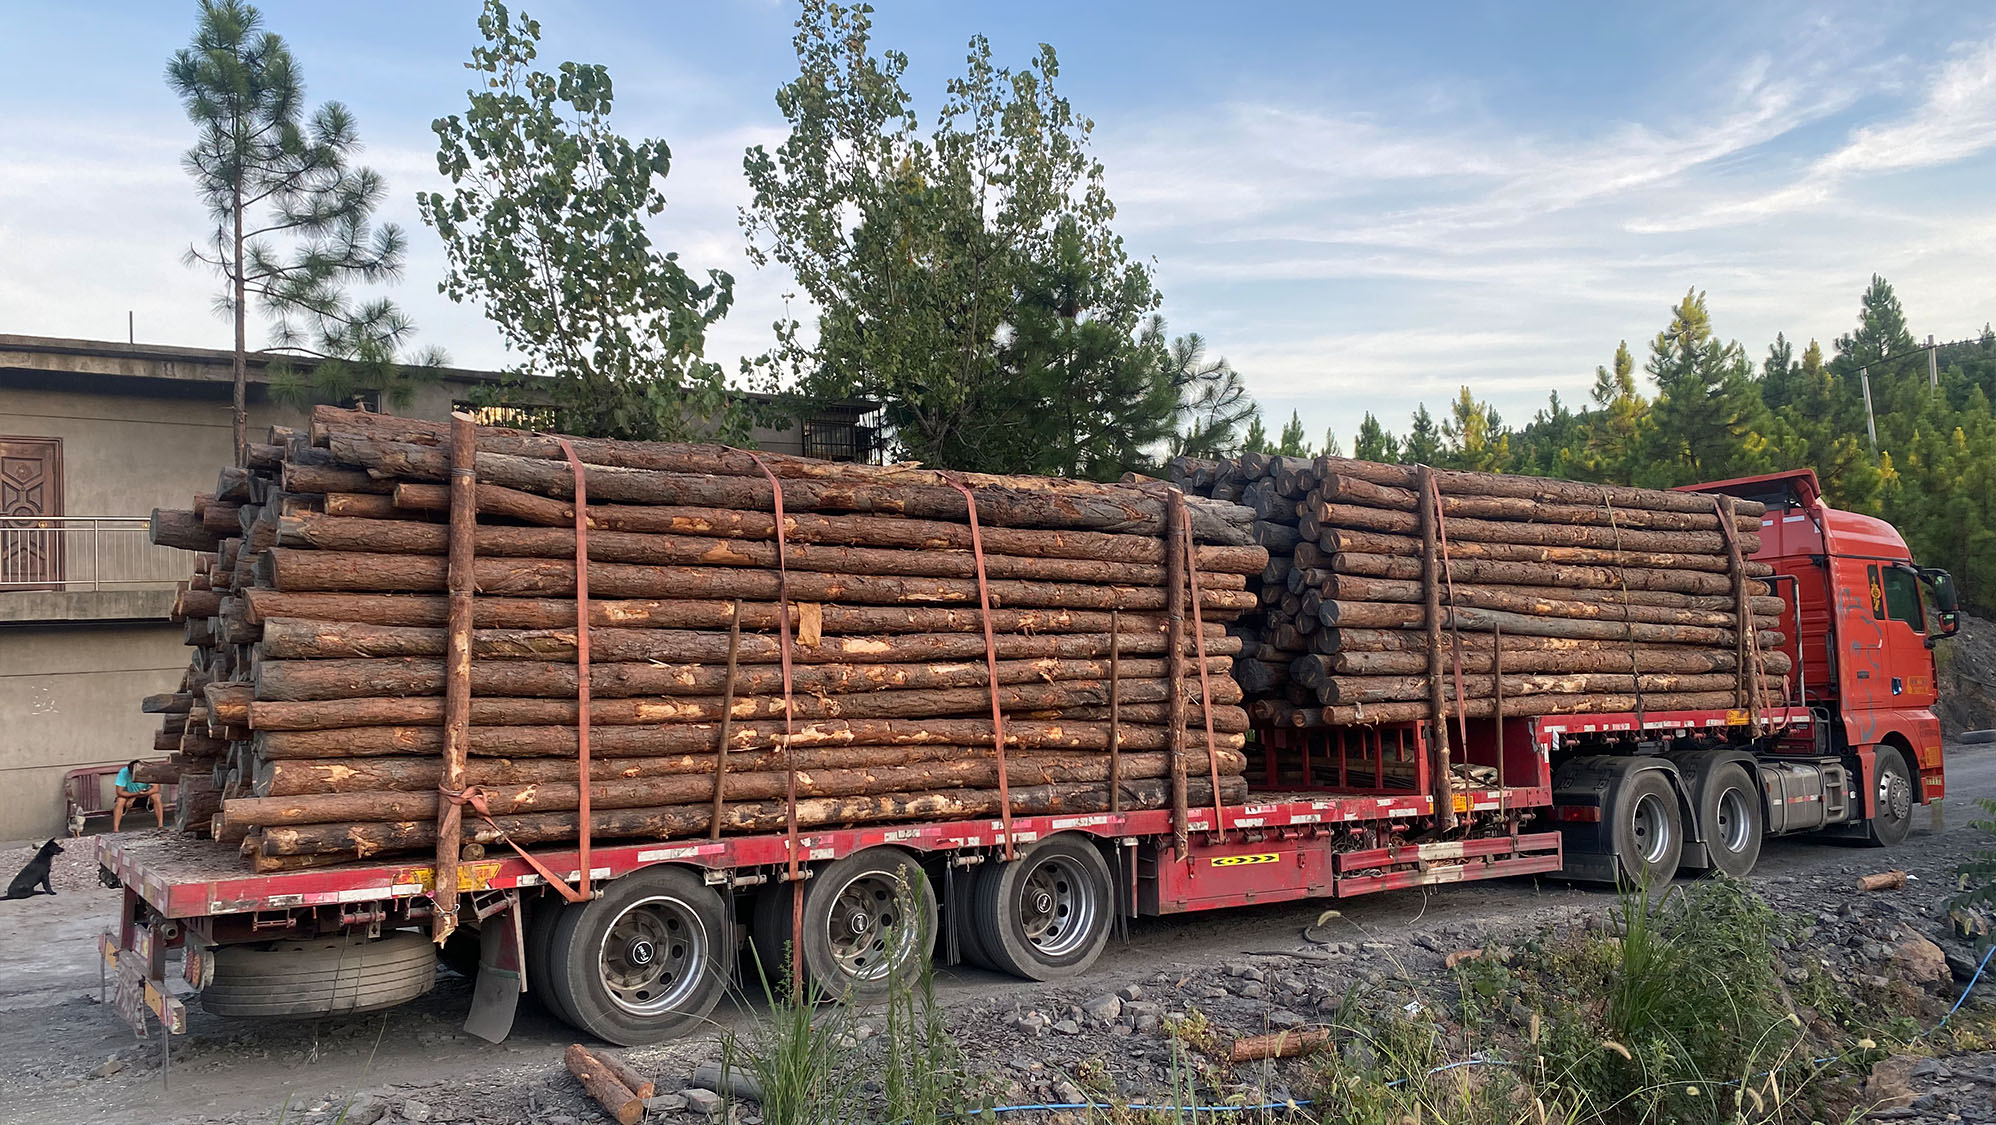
x,y
1933,365
165,1053
1870,420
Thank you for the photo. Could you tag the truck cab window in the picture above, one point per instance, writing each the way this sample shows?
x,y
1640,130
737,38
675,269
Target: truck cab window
x,y
1902,598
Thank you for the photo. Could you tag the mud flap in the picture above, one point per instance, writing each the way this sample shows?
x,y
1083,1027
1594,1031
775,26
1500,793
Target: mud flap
x,y
495,997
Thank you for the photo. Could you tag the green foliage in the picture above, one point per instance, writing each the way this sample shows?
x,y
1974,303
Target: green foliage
x,y
965,275
1291,443
293,215
545,227
1213,403
1256,440
1374,442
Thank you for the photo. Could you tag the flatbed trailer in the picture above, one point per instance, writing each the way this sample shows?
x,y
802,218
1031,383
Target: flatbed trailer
x,y
1334,814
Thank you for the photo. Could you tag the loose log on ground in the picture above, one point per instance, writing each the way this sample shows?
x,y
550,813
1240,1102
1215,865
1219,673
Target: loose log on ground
x,y
363,840
298,639
700,738
301,680
739,785
618,1100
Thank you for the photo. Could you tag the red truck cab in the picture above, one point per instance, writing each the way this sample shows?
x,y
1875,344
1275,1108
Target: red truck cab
x,y
1858,630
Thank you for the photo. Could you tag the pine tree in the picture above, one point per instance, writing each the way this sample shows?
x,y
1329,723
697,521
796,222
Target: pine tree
x,y
1256,440
1476,437
1332,446
1710,422
1291,444
1616,428
1374,442
268,173
1213,402
1423,445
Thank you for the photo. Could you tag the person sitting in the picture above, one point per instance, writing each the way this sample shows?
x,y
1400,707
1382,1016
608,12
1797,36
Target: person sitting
x,y
130,792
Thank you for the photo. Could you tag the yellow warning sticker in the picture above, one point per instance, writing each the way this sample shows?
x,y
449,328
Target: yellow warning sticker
x,y
1243,860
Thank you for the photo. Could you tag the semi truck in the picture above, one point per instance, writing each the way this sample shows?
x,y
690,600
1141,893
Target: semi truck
x,y
1333,812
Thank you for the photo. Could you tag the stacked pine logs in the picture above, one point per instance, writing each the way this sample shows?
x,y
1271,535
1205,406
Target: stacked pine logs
x,y
1389,587
321,621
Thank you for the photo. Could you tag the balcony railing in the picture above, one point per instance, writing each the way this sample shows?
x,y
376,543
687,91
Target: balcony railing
x,y
71,553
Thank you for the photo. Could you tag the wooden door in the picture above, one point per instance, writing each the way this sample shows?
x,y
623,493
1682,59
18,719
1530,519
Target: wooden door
x,y
30,492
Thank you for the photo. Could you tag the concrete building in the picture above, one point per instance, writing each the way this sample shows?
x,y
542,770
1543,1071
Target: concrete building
x,y
93,436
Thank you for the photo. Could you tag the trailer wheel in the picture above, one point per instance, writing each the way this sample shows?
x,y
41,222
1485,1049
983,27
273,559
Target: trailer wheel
x,y
644,962
1046,914
1893,792
1649,830
542,914
869,920
963,917
1730,814
330,976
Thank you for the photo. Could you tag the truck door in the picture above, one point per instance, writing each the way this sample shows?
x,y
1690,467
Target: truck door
x,y
1861,662
1909,680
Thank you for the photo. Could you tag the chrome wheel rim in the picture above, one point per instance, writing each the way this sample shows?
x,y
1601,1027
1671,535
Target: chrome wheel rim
x,y
867,928
1895,795
1057,906
1649,824
1735,821
652,955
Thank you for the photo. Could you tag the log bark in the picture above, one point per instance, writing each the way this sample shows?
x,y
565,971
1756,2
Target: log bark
x,y
1280,1045
1314,668
1131,511
287,638
306,680
559,613
364,840
1344,540
1344,587
1459,483
616,1099
343,806
1366,713
699,738
1352,516
1497,572
1528,618
178,527
1050,698
1345,489
1389,689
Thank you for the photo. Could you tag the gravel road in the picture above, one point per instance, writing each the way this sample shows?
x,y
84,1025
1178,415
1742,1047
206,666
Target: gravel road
x,y
65,1057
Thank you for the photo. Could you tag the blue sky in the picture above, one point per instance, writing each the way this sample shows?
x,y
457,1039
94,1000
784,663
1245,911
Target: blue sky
x,y
1361,206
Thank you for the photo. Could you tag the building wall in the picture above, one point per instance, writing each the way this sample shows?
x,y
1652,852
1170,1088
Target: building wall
x,y
69,697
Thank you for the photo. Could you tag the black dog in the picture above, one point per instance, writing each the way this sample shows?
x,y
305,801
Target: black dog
x,y
35,874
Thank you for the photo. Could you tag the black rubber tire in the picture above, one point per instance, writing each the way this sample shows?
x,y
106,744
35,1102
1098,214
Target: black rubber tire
x,y
1730,817
460,952
1648,831
679,920
542,913
962,907
769,937
330,976
852,909
1893,790
1046,915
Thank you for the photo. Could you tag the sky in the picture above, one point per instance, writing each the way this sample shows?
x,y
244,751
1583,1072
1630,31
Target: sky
x,y
1362,207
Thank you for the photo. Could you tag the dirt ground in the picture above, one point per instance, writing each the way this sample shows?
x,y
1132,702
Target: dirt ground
x,y
66,1057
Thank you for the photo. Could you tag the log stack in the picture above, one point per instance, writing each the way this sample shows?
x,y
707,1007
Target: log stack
x,y
1389,587
319,706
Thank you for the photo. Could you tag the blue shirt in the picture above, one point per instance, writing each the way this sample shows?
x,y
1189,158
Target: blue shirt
x,y
125,783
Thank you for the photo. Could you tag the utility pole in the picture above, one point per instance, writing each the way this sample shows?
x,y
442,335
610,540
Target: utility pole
x,y
1870,421
1933,365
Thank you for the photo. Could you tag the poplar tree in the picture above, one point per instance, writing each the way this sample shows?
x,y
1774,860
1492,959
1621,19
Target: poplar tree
x,y
293,215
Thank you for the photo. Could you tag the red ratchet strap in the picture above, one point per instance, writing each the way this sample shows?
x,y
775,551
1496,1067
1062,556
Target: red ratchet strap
x,y
1205,685
990,663
581,656
783,627
473,796
1454,633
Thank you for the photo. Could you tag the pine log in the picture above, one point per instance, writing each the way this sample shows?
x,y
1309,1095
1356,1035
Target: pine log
x,y
1015,504
178,527
559,613
196,603
304,680
1389,689
1314,668
167,703
229,701
640,1085
313,776
1342,540
698,738
616,1099
677,789
381,506
1551,490
1327,641
1352,588
1359,714
1344,489
363,840
1050,698
1548,618
1352,516
299,476
1494,572
288,638
329,533
158,771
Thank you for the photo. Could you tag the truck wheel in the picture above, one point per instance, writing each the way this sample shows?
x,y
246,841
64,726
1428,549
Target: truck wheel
x,y
644,962
963,916
1649,832
1045,915
1893,792
330,976
1729,812
869,920
542,914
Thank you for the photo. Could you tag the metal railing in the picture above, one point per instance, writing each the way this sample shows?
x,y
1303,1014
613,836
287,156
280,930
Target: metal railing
x,y
85,553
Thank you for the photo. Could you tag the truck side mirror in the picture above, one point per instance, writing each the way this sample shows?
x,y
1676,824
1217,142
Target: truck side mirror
x,y
1946,606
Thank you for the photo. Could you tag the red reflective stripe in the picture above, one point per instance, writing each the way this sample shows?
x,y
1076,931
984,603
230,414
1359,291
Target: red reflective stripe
x,y
581,657
990,663
1205,683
